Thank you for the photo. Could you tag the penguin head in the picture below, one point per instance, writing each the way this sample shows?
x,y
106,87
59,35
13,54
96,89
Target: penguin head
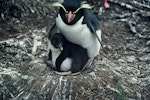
x,y
57,40
72,10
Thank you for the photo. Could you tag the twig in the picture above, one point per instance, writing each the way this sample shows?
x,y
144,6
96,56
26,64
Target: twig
x,y
132,28
140,4
121,15
123,4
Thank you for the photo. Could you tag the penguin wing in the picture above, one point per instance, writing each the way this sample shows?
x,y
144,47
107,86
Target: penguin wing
x,y
52,31
92,23
91,20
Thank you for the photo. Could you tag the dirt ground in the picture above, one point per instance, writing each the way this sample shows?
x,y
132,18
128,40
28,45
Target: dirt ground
x,y
122,73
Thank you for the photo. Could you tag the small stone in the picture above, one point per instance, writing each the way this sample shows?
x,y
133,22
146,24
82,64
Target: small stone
x,y
131,59
148,43
145,58
134,80
121,60
143,84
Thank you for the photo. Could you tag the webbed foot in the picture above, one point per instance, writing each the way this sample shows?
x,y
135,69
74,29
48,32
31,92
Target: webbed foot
x,y
88,64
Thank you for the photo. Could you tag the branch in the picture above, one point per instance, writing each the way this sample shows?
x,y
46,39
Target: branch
x,y
140,4
123,4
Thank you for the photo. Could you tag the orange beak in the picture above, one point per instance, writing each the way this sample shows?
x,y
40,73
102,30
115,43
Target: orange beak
x,y
70,16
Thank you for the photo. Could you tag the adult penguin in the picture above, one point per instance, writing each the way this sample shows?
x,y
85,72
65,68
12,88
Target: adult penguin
x,y
77,22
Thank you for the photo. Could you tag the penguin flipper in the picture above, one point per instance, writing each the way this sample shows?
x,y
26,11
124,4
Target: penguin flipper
x,y
52,31
93,24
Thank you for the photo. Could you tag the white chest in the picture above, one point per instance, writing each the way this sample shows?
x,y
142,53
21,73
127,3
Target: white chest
x,y
76,33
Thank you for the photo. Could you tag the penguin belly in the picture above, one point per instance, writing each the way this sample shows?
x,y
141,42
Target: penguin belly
x,y
66,65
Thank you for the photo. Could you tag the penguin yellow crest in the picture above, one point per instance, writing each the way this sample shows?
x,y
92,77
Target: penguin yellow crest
x,y
60,5
83,5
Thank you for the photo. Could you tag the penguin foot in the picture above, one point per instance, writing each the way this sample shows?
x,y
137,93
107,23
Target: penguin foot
x,y
88,64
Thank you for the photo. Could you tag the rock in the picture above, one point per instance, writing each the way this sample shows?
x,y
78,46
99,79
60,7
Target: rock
x,y
148,43
145,58
131,59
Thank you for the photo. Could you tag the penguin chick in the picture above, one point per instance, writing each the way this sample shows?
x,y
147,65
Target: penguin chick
x,y
72,58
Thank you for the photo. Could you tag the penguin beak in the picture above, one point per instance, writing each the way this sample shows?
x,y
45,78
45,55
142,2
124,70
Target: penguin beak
x,y
70,16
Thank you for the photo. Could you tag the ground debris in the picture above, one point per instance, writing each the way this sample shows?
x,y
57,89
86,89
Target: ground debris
x,y
122,73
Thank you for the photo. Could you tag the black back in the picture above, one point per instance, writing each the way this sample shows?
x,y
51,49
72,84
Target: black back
x,y
91,20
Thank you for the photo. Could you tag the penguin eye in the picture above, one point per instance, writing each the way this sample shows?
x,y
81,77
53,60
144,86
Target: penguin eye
x,y
60,5
84,5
